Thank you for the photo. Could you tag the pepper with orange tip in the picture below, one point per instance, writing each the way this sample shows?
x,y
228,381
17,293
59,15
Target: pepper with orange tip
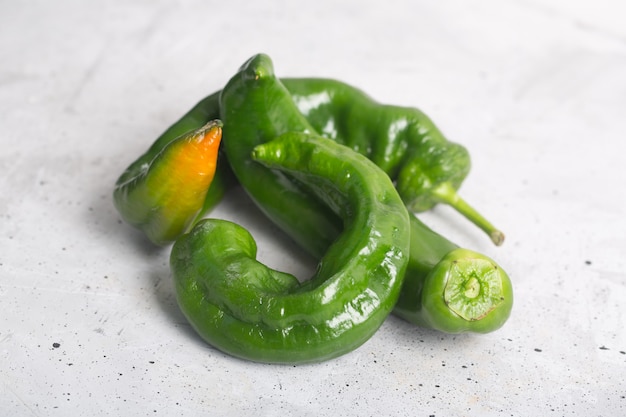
x,y
164,190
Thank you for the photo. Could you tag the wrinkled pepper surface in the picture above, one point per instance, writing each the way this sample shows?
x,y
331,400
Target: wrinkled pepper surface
x,y
426,168
248,310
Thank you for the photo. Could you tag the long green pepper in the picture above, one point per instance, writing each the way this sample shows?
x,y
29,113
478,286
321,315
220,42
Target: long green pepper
x,y
426,168
256,108
248,310
476,294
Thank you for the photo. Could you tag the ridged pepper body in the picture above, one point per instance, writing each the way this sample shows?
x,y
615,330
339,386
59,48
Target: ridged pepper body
x,y
248,310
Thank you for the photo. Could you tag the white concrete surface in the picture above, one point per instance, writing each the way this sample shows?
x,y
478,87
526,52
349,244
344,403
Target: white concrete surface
x,y
535,89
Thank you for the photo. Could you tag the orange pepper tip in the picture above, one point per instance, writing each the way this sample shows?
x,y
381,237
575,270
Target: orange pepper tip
x,y
196,153
208,135
186,169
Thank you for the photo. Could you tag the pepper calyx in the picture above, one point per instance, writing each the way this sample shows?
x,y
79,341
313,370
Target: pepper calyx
x,y
474,288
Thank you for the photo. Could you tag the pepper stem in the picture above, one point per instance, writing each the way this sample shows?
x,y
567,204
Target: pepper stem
x,y
446,194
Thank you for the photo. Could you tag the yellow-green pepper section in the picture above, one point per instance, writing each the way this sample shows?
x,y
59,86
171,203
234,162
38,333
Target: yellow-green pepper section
x,y
248,310
164,190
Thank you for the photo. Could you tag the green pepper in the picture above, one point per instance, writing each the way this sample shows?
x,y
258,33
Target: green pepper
x,y
255,108
248,310
403,141
261,115
204,112
447,288
164,189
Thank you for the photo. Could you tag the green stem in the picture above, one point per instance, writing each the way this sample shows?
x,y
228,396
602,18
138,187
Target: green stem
x,y
446,194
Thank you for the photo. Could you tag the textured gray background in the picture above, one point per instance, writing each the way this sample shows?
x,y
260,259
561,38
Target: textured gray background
x,y
535,89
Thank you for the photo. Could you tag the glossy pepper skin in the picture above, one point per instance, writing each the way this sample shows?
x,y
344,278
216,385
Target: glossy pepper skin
x,y
403,141
256,108
256,89
447,288
164,189
428,248
426,167
248,310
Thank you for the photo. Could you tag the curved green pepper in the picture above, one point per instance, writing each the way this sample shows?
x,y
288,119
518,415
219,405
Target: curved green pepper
x,y
164,190
256,107
248,310
447,288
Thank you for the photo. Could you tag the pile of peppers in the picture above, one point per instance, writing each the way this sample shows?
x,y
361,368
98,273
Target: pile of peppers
x,y
340,174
